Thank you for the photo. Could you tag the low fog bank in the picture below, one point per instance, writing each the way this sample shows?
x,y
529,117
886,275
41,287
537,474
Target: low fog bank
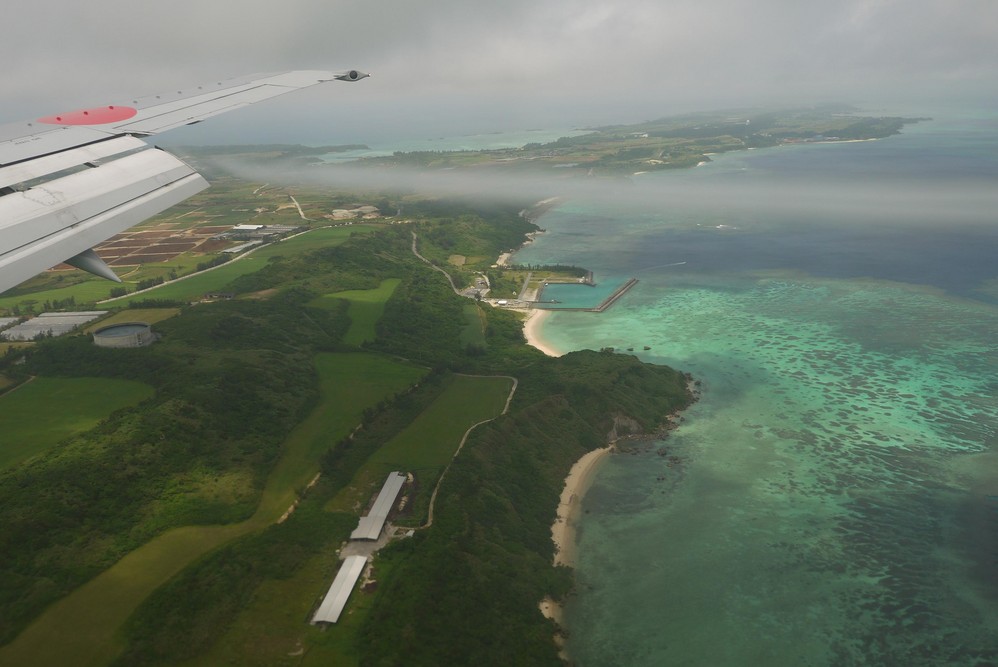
x,y
724,197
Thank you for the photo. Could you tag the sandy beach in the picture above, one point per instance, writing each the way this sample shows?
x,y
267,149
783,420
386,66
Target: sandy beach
x,y
531,331
579,479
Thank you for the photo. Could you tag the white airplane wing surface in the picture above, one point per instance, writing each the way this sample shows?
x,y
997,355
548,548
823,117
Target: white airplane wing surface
x,y
70,181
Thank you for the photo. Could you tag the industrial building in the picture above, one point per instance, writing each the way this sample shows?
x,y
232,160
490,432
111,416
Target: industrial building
x,y
236,249
370,526
258,231
368,530
339,591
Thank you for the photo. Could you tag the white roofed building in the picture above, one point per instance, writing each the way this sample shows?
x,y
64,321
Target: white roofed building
x,y
370,526
51,324
339,591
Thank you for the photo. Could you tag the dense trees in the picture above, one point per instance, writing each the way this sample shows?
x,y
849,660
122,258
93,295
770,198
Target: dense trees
x,y
231,380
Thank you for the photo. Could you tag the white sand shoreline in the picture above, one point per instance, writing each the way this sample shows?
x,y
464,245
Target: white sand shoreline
x,y
531,331
579,479
563,530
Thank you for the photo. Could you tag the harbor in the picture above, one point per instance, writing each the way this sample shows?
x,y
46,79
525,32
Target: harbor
x,y
602,306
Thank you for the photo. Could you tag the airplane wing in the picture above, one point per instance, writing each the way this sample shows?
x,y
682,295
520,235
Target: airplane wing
x,y
70,181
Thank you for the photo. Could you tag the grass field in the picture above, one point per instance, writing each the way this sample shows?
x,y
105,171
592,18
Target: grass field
x,y
96,289
274,629
92,288
473,332
43,412
88,620
428,443
350,383
193,288
366,308
324,237
147,315
86,292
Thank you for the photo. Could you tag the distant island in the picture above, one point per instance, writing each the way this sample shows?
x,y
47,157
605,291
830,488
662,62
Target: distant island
x,y
667,143
672,142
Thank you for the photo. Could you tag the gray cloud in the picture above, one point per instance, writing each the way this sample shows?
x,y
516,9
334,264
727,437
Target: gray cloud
x,y
444,65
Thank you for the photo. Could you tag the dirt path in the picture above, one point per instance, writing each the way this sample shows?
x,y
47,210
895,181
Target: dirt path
x,y
298,206
434,266
18,386
505,409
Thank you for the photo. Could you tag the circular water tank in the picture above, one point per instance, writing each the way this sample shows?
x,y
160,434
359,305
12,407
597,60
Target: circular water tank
x,y
125,334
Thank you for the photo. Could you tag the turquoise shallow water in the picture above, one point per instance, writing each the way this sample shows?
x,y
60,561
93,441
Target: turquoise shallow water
x,y
833,497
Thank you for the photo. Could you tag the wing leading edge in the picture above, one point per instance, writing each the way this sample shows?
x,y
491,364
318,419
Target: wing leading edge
x,y
71,181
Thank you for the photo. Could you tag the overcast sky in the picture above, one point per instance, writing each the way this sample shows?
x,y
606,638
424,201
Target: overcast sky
x,y
447,67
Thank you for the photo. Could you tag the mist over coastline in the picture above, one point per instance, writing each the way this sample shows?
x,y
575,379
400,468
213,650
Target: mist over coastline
x,y
847,196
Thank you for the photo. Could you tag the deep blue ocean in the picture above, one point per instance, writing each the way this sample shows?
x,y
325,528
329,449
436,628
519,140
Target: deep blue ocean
x,y
833,497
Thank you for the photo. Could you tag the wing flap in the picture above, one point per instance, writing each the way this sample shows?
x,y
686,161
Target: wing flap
x,y
44,141
51,164
35,213
45,225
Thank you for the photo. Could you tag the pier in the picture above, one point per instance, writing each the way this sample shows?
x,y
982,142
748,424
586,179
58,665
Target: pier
x,y
607,302
612,299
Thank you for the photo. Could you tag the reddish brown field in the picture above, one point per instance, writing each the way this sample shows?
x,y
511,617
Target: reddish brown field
x,y
172,247
143,259
213,246
124,243
161,243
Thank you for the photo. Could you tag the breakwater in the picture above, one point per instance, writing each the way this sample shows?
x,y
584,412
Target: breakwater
x,y
606,303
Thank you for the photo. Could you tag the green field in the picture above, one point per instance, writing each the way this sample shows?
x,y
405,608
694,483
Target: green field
x,y
85,288
427,445
349,384
323,237
85,292
147,315
366,308
87,621
195,287
274,627
45,411
189,289
473,332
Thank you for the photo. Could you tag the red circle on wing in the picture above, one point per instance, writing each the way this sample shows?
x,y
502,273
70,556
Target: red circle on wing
x,y
97,116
